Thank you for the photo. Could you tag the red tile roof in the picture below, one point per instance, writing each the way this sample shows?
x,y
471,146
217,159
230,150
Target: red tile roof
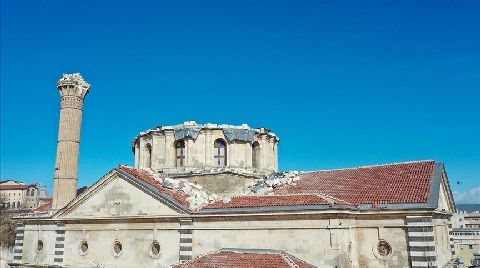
x,y
16,186
81,190
276,200
44,208
236,259
408,182
148,178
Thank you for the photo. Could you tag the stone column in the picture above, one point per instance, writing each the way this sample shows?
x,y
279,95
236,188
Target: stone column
x,y
170,161
73,89
137,154
275,155
208,148
262,140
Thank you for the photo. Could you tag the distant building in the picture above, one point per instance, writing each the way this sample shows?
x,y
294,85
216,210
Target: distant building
x,y
466,243
42,191
18,195
465,236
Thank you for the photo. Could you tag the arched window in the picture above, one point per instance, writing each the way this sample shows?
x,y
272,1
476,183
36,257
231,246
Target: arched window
x,y
18,204
32,192
28,191
220,152
148,156
13,204
256,154
180,153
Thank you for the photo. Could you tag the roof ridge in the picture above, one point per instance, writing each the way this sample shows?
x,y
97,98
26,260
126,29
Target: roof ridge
x,y
251,250
291,263
369,166
281,195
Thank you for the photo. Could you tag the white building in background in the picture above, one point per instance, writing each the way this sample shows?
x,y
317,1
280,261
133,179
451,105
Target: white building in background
x,y
18,195
465,236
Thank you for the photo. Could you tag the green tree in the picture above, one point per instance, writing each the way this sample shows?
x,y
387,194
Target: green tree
x,y
7,227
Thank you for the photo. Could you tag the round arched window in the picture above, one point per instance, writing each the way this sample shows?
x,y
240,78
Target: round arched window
x,y
220,152
384,249
155,249
83,248
117,248
39,246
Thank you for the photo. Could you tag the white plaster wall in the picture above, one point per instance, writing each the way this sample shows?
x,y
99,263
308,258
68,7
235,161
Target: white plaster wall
x,y
32,234
324,243
442,238
341,242
136,240
6,256
120,198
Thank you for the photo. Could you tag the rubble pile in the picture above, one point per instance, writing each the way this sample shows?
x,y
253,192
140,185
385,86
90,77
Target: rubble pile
x,y
265,185
199,197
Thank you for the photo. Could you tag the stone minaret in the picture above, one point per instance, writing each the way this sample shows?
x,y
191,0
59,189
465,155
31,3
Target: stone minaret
x,y
73,90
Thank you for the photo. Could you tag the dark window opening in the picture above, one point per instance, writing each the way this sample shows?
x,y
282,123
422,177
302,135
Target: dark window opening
x,y
117,247
220,153
39,246
148,158
155,249
180,153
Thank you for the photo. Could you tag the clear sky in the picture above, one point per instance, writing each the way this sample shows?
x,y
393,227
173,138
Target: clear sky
x,y
342,83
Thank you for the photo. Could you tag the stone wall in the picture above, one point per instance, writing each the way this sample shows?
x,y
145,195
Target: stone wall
x,y
339,241
6,256
155,149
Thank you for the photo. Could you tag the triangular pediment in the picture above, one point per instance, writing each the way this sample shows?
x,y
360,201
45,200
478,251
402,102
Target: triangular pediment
x,y
445,200
116,195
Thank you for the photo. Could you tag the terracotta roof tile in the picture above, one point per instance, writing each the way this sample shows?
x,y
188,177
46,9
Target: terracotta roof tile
x,y
81,190
276,200
229,259
408,182
44,208
17,186
148,178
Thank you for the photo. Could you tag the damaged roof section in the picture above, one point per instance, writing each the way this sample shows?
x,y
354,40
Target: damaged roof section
x,y
155,181
243,258
192,129
181,133
394,186
233,134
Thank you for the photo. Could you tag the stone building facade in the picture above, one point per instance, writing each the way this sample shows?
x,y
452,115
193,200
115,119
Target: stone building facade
x,y
466,243
133,217
198,191
192,147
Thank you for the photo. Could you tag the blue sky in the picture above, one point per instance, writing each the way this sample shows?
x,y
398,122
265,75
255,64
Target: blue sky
x,y
343,83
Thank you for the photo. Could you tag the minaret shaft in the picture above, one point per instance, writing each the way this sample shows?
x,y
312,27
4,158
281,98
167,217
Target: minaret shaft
x,y
73,90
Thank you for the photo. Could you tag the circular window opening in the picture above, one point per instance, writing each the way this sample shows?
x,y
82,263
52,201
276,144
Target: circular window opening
x,y
155,249
39,246
83,247
384,249
117,248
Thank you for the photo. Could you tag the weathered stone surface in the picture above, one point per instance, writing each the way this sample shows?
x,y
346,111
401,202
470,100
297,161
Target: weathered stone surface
x,y
155,148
